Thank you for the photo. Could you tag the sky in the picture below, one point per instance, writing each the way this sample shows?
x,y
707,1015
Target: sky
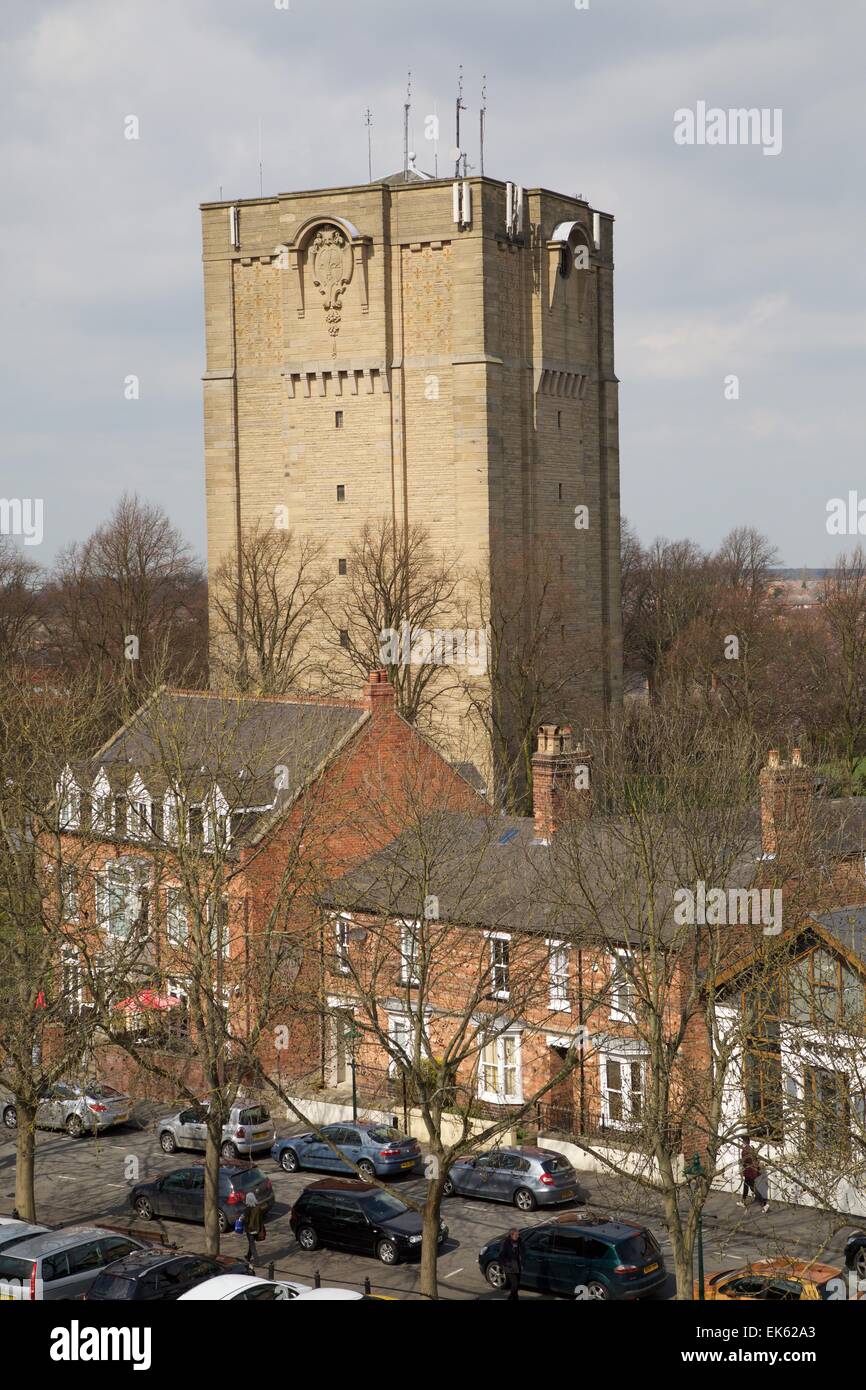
x,y
730,262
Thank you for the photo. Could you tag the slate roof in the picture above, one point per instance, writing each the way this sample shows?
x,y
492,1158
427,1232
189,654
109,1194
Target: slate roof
x,y
260,751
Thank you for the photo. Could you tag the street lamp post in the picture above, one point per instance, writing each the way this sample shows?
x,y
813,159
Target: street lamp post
x,y
350,1036
694,1172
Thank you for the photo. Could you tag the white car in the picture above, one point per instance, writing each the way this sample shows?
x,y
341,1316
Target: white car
x,y
246,1288
331,1295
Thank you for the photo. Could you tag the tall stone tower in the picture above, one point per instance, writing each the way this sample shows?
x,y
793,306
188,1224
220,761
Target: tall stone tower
x,y
436,352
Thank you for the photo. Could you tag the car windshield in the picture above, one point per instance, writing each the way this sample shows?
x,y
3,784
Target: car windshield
x,y
557,1165
383,1207
99,1091
256,1115
114,1286
385,1134
637,1248
17,1270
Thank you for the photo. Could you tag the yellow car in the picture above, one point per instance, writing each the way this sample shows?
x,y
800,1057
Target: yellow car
x,y
776,1281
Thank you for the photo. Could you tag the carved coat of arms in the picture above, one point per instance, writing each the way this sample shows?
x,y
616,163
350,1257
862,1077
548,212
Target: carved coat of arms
x,y
331,258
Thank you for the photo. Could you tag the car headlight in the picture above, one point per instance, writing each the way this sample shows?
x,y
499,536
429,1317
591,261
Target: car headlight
x,y
413,1240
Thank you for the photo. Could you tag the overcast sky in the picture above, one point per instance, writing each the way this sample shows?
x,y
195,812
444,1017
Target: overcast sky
x,y
728,261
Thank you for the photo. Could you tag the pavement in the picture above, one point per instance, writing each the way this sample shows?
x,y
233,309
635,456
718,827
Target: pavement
x,y
88,1180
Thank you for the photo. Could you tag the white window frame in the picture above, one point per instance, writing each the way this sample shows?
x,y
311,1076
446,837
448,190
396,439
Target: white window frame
x,y
494,937
101,820
174,899
215,816
409,933
558,968
342,927
626,1061
68,801
621,987
501,1096
70,965
214,927
139,812
139,882
170,817
399,1025
70,908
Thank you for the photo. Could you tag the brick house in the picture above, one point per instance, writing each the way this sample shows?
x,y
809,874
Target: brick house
x,y
550,1009
275,793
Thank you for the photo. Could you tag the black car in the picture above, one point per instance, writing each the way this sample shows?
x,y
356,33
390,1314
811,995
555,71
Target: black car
x,y
582,1257
180,1193
360,1217
855,1253
159,1274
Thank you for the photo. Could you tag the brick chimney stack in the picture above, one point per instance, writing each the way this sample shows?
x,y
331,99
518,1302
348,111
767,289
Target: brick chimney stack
x,y
379,693
561,780
787,797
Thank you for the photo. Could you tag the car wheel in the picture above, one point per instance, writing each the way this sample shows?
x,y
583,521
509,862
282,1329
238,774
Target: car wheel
x,y
229,1150
144,1208
524,1200
596,1290
860,1263
448,1188
366,1170
289,1161
387,1252
223,1223
495,1275
167,1142
307,1238
10,1117
74,1127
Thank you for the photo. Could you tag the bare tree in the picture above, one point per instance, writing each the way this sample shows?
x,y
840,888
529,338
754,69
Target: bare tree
x,y
20,603
265,597
844,610
397,589
128,601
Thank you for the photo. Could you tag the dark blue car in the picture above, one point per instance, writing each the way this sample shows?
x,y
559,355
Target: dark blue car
x,y
372,1149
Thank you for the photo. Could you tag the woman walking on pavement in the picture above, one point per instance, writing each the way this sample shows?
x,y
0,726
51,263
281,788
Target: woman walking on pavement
x,y
751,1170
254,1225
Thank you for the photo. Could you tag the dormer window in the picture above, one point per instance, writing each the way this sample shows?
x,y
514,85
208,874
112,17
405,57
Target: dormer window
x,y
102,806
217,823
139,814
170,818
69,801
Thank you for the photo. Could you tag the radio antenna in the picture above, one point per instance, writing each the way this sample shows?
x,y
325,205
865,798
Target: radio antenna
x,y
368,122
461,106
481,117
406,106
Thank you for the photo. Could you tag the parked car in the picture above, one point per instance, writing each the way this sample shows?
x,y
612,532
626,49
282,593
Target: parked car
x,y
79,1109
776,1281
526,1177
60,1264
246,1288
342,1296
180,1193
12,1231
582,1257
359,1217
855,1253
377,1150
249,1130
146,1275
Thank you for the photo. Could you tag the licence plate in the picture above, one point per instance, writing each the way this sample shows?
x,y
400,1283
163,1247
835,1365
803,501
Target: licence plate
x,y
409,1164
121,1119
650,1268
569,1192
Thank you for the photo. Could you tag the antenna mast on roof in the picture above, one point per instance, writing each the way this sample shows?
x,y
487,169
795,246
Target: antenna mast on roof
x,y
481,116
461,106
368,122
406,106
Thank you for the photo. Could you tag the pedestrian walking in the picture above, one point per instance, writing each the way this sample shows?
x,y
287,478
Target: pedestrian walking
x,y
751,1170
254,1225
511,1262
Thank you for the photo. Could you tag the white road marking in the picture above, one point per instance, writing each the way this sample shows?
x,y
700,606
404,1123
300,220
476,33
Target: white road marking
x,y
453,1272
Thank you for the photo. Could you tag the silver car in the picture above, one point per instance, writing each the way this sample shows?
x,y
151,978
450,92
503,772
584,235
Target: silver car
x,y
59,1264
250,1129
526,1177
79,1109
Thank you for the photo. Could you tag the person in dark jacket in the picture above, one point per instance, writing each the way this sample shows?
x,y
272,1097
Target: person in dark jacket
x,y
751,1169
511,1261
254,1224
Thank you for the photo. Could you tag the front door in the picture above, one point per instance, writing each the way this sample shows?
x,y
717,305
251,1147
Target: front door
x,y
536,1251
174,1194
351,1228
191,1128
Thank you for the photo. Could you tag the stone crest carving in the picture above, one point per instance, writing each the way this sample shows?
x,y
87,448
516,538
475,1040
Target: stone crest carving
x,y
331,261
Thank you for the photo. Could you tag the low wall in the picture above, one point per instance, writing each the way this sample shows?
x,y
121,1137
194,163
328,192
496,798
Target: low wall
x,y
625,1161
